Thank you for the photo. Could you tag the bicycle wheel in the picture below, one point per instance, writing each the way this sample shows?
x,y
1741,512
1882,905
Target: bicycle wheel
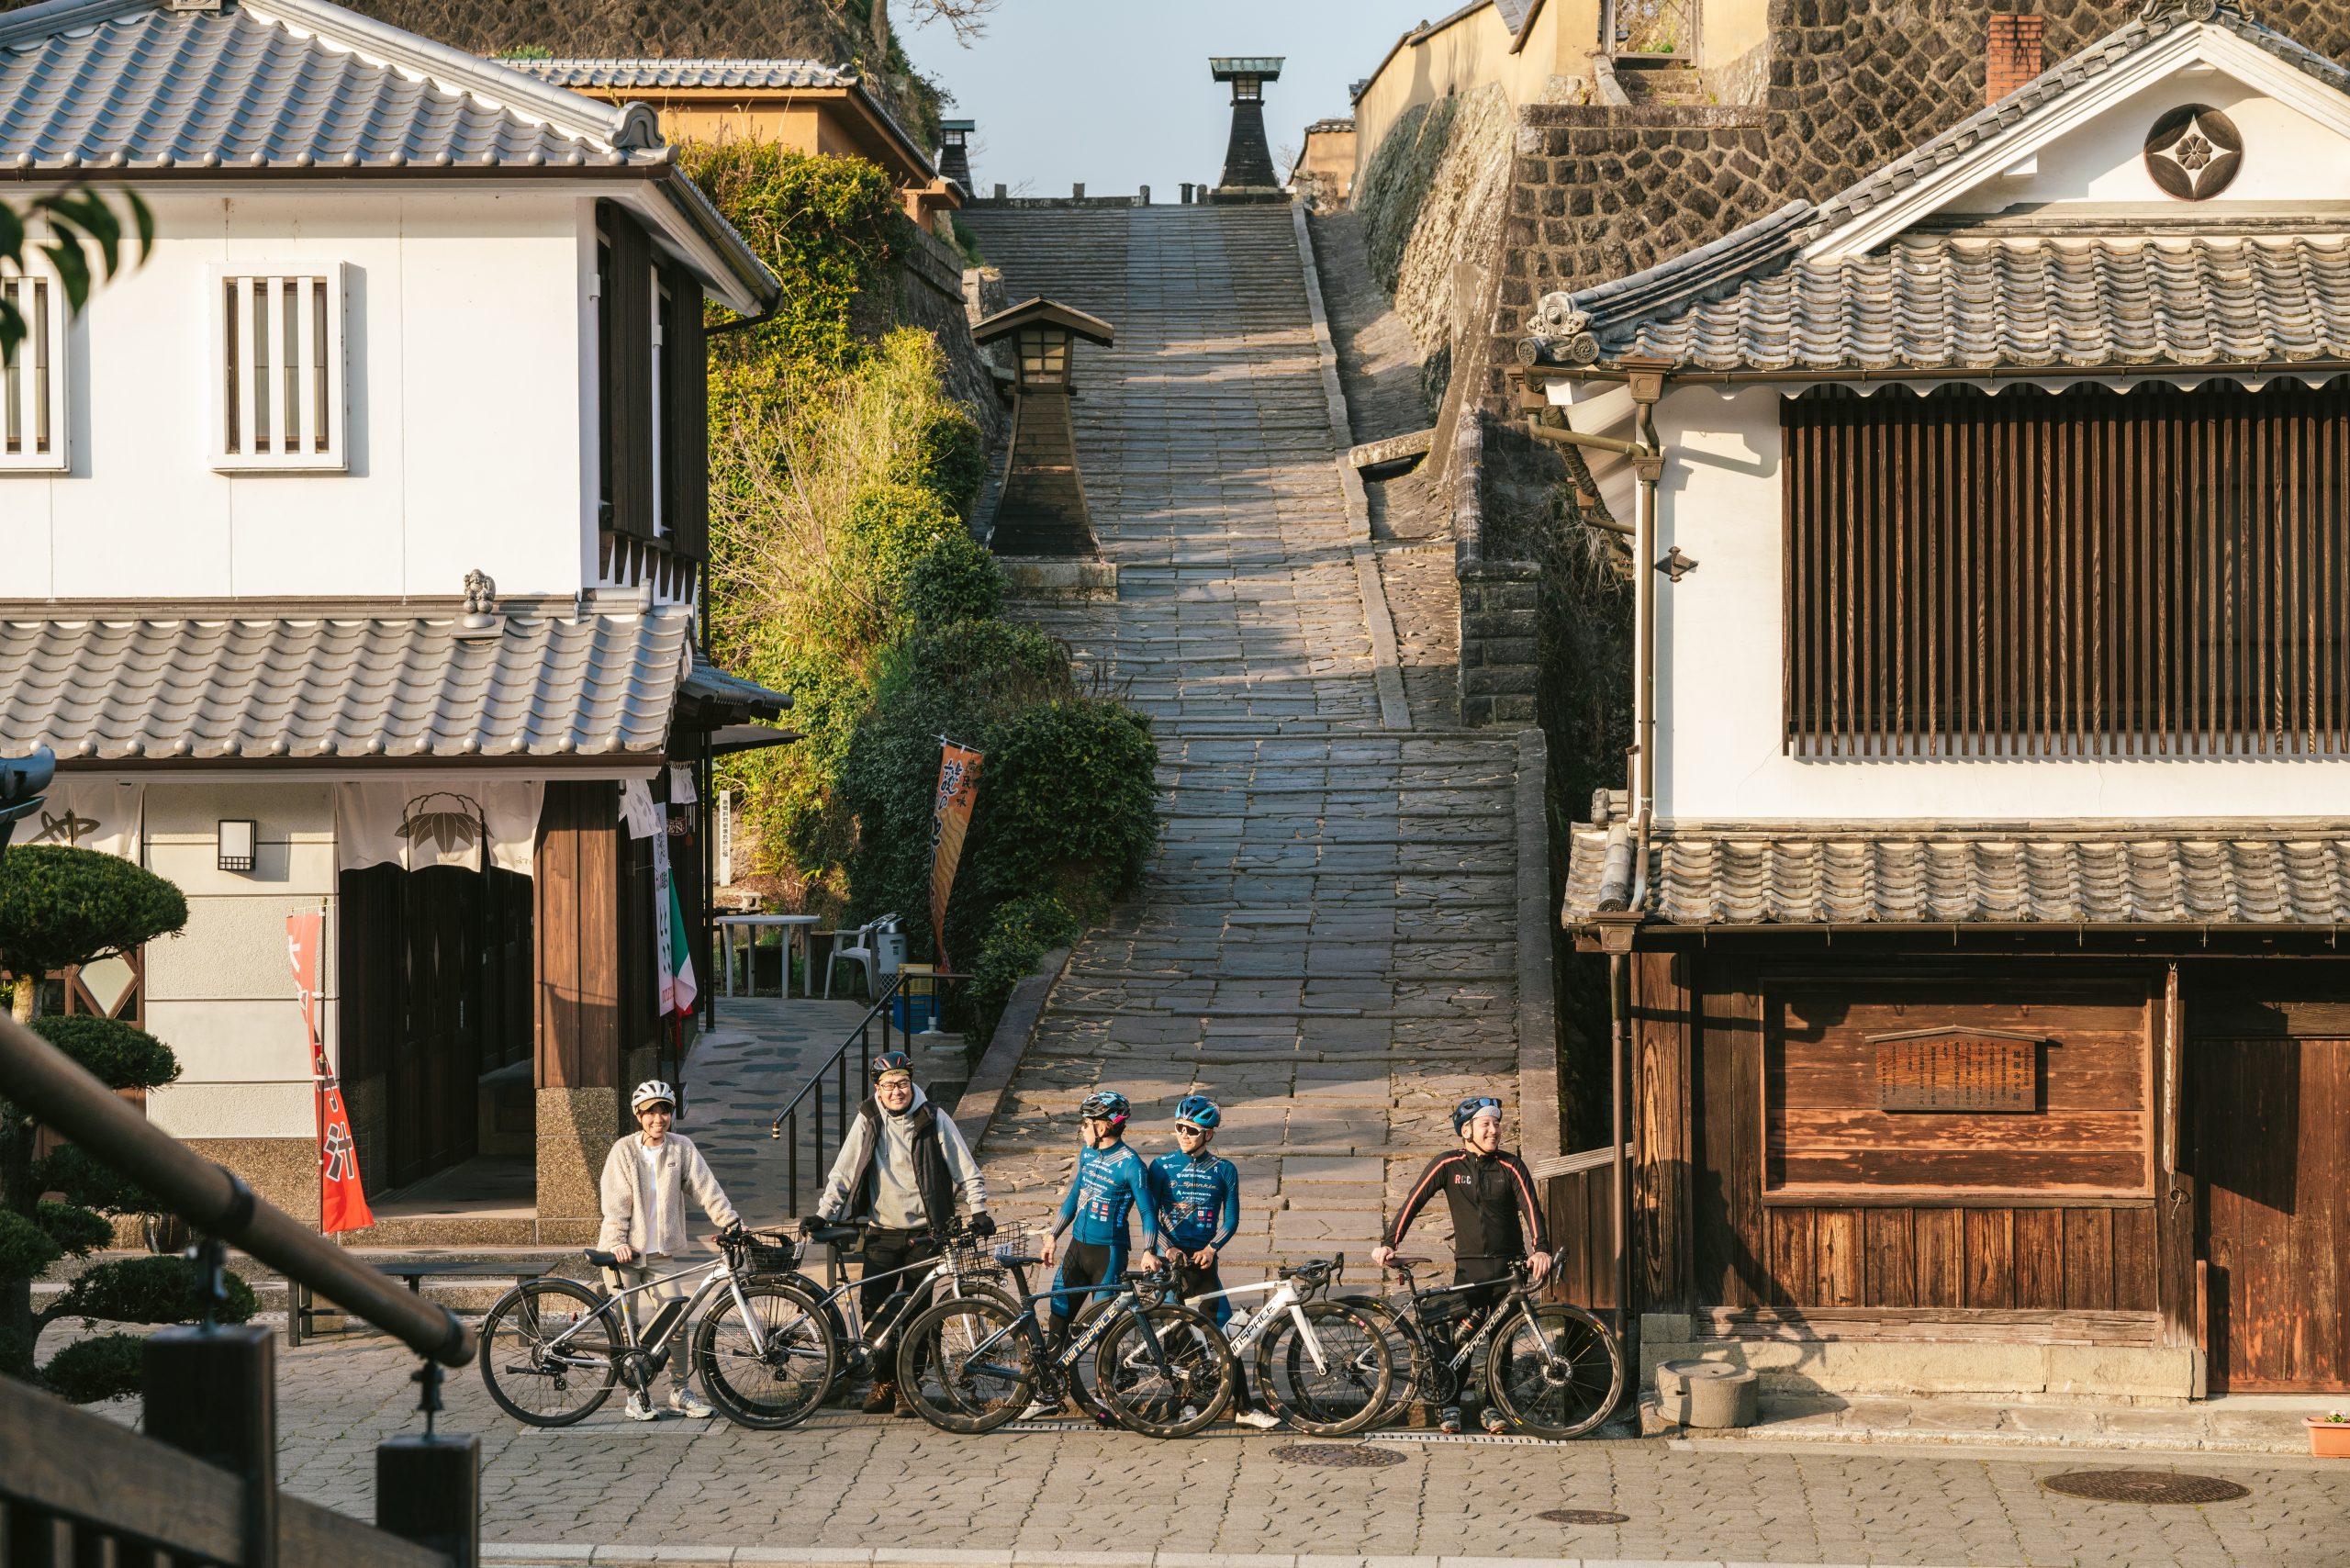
x,y
967,1365
774,1387
1347,1391
1171,1393
1557,1373
1409,1351
547,1357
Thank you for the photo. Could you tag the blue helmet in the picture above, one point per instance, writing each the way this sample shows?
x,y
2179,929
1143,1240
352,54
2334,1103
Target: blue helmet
x,y
1200,1111
1106,1105
1469,1111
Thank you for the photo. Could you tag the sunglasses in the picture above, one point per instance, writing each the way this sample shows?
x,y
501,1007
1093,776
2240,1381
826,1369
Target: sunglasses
x,y
1182,1127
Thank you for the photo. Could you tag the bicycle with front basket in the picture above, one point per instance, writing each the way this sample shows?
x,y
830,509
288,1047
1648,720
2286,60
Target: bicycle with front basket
x,y
1553,1371
1160,1367
552,1349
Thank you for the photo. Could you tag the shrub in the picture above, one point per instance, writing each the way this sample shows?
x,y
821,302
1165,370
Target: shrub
x,y
946,456
25,1248
890,527
115,1053
59,907
75,1229
955,580
1069,802
87,1370
1020,933
152,1290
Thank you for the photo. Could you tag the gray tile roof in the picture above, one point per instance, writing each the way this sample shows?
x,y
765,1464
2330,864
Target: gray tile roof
x,y
2023,875
1513,13
626,74
1745,302
277,83
359,681
1945,303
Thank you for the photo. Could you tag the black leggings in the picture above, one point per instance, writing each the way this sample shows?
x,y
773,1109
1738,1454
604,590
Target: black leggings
x,y
1082,1263
1491,1273
884,1251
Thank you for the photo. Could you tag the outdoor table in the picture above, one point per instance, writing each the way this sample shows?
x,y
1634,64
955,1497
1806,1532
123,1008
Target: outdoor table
x,y
301,1305
796,929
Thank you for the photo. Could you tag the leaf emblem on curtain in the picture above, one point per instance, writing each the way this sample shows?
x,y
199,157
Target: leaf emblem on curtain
x,y
445,822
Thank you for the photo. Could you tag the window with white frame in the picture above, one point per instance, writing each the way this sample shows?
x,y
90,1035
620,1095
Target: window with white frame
x,y
34,422
279,397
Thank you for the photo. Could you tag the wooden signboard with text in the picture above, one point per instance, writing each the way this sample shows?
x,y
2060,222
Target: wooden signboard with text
x,y
1953,1071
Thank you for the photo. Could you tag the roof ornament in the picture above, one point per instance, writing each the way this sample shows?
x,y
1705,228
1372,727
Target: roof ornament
x,y
1561,332
2173,11
482,619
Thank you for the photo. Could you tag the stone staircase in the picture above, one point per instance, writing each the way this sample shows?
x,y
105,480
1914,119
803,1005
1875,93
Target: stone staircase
x,y
1659,86
1326,941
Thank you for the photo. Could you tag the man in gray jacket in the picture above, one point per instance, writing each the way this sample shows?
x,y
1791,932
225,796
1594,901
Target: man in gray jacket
x,y
646,1180
901,1168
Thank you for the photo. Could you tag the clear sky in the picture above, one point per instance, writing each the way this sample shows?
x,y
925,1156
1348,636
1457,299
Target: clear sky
x,y
1116,93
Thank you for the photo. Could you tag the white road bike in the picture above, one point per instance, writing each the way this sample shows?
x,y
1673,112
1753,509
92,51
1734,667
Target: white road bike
x,y
1322,1366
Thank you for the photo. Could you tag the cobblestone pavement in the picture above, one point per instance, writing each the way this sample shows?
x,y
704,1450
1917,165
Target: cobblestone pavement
x,y
1324,941
852,1483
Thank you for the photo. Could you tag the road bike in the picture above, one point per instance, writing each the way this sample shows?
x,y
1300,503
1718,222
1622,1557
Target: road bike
x,y
968,1263
1323,1366
552,1348
1160,1367
1553,1371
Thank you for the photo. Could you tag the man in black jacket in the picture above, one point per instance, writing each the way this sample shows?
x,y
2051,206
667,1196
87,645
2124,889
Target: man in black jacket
x,y
900,1169
1496,1219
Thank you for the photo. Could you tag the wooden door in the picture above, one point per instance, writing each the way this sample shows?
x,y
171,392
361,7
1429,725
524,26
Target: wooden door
x,y
2272,1123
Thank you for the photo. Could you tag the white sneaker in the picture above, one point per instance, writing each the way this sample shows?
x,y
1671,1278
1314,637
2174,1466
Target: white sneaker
x,y
638,1410
1262,1420
686,1402
1041,1409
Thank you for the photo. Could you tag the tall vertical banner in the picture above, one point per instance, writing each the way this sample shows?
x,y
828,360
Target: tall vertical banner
x,y
950,819
342,1202
673,944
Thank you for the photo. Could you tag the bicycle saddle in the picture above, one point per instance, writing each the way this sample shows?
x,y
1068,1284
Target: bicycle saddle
x,y
837,1235
1399,1262
603,1259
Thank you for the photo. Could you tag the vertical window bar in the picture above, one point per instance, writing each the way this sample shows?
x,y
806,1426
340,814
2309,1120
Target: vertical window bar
x,y
44,352
326,348
302,387
236,412
286,374
21,297
257,366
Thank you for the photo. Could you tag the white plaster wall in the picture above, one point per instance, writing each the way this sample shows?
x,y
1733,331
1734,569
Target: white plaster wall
x,y
466,365
2289,158
1718,673
221,992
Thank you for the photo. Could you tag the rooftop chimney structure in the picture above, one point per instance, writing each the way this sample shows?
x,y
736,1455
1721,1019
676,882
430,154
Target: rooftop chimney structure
x,y
955,153
1247,157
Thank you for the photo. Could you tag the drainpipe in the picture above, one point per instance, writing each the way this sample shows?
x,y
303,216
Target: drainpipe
x,y
1647,387
1620,1192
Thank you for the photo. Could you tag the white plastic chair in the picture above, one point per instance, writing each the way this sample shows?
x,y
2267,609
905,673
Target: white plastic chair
x,y
859,948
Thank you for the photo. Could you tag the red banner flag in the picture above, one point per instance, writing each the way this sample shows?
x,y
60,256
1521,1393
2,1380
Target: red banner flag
x,y
342,1203
950,818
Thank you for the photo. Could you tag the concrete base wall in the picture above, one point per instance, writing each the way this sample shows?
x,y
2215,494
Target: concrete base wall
x,y
281,1170
576,1130
2135,1374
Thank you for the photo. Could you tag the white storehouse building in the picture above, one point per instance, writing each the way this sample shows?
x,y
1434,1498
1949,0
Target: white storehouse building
x,y
355,547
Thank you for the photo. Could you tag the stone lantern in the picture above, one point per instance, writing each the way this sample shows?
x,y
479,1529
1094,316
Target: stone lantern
x,y
1042,510
1248,157
955,152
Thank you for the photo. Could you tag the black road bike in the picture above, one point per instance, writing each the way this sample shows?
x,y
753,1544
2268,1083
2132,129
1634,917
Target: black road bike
x,y
1553,1371
1160,1368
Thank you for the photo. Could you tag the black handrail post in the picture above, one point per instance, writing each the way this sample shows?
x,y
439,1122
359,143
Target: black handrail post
x,y
211,1392
791,1162
428,1485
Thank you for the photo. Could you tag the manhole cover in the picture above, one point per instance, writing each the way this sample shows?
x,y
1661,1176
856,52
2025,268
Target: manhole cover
x,y
1338,1454
2145,1486
1581,1516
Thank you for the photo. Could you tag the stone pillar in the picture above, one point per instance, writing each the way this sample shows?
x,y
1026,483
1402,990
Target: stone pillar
x,y
1248,157
577,1062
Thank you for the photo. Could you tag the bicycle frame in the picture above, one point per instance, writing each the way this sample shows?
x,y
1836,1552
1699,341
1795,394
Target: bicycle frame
x,y
1510,1309
1287,1301
1028,1326
722,1269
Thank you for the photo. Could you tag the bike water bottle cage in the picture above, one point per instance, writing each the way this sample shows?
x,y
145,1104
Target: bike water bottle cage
x,y
1107,1105
1470,1110
1199,1111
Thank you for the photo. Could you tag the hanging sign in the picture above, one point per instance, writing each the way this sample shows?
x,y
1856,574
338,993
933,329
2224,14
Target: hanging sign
x,y
342,1202
1957,1069
950,819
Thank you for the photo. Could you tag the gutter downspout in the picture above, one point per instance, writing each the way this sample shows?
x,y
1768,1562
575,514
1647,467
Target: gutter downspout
x,y
1619,1048
1648,463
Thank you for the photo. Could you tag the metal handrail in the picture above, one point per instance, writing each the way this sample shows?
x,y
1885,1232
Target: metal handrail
x,y
860,1038
51,1088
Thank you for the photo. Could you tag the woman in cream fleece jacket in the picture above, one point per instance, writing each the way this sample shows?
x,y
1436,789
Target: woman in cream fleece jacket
x,y
646,1179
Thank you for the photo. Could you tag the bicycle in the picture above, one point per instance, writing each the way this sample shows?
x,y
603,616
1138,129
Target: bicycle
x,y
968,1264
1553,1371
1323,1366
974,1365
552,1348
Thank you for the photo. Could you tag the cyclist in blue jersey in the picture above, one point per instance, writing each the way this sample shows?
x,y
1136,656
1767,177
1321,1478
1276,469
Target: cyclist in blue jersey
x,y
1110,1184
1197,1197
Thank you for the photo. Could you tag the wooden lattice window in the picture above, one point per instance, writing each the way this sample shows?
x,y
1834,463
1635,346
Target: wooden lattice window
x,y
280,395
2160,573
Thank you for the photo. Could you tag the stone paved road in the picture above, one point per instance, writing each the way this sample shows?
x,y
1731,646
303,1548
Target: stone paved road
x,y
1326,941
849,1483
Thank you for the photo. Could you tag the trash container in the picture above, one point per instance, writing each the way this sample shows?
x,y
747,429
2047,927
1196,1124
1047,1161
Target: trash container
x,y
889,954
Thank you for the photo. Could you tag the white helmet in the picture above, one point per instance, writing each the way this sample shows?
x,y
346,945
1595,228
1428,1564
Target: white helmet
x,y
652,1091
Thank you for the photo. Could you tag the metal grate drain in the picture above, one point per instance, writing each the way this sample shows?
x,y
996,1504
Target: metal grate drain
x,y
2144,1486
1340,1455
1583,1516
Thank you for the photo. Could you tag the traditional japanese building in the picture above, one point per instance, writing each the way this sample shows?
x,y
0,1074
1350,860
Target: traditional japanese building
x,y
1974,901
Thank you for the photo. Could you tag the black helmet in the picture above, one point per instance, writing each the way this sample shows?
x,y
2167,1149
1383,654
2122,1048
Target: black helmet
x,y
1106,1105
1470,1110
888,1062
